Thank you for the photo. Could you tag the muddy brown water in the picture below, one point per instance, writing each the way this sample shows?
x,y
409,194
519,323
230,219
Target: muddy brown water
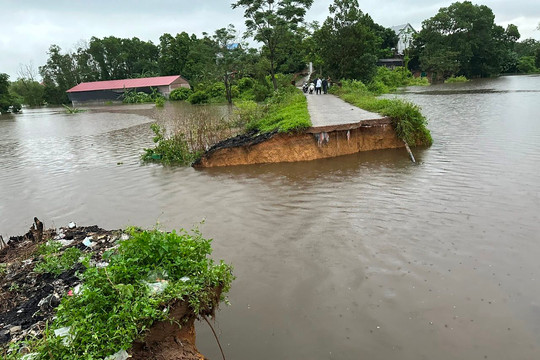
x,y
358,257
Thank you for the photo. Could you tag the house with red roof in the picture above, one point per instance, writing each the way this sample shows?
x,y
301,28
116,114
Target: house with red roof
x,y
99,92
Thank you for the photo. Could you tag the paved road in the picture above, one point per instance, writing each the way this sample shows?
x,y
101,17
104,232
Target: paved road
x,y
328,110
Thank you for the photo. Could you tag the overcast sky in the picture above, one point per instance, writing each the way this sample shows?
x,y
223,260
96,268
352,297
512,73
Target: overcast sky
x,y
29,27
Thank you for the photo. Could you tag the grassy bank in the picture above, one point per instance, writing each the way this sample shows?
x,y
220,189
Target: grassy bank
x,y
286,111
407,120
125,290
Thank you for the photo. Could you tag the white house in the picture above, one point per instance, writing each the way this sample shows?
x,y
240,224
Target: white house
x,y
405,34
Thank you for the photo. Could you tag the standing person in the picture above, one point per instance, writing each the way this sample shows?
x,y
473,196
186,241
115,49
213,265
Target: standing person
x,y
325,86
318,84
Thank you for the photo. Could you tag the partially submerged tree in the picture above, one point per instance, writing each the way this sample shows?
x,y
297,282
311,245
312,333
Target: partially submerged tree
x,y
465,37
8,103
269,21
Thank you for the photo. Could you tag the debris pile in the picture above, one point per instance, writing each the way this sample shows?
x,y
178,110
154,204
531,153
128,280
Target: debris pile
x,y
28,297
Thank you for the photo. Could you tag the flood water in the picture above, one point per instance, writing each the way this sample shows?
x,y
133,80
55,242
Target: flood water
x,y
358,257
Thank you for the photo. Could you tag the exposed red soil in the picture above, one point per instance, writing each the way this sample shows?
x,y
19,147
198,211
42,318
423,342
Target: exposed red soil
x,y
277,147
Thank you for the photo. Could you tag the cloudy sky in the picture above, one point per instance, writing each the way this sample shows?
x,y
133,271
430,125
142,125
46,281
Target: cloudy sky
x,y
29,27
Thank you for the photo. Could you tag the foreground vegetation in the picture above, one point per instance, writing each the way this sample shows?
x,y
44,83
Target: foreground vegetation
x,y
120,300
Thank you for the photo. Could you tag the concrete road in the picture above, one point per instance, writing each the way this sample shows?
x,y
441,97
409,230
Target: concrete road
x,y
328,110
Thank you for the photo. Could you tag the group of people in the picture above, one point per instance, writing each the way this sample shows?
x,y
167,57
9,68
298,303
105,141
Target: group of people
x,y
318,85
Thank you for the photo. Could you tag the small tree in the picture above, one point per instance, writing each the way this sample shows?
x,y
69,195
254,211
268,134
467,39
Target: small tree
x,y
269,22
228,56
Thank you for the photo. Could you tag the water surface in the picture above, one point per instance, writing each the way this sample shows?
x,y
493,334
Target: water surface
x,y
358,257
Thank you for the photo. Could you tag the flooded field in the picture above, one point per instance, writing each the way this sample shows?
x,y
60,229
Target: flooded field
x,y
358,257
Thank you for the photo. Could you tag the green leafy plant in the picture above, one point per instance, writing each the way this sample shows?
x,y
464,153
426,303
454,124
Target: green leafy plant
x,y
72,110
181,93
456,79
55,263
169,150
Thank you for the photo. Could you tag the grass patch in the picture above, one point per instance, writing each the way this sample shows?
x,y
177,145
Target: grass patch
x,y
286,111
119,302
407,120
456,79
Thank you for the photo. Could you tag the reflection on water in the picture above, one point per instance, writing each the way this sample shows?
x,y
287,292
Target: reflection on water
x,y
363,256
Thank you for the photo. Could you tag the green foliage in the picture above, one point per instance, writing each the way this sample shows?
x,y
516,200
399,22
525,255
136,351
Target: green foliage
x,y
31,92
116,304
456,79
271,22
8,103
245,83
72,110
181,93
56,264
199,97
160,102
463,39
171,150
134,97
285,111
526,65
407,120
349,42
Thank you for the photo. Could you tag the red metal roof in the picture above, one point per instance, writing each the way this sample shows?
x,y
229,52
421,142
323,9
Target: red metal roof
x,y
124,83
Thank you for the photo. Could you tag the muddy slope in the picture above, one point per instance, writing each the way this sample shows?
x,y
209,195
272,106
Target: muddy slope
x,y
310,145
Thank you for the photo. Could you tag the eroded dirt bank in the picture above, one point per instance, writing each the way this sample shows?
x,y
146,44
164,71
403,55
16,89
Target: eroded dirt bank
x,y
315,143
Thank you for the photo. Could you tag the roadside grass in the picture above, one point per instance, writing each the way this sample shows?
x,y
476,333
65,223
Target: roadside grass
x,y
118,303
407,119
286,111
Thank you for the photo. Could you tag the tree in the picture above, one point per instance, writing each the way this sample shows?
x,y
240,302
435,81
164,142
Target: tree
x,y
27,88
468,35
270,21
228,58
8,103
59,74
348,42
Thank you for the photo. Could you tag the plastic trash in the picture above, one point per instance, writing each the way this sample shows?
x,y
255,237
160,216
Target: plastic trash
x,y
124,237
120,355
185,278
65,242
157,287
64,334
72,225
29,356
88,242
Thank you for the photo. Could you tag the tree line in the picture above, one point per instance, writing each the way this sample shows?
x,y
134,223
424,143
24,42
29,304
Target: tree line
x,y
461,39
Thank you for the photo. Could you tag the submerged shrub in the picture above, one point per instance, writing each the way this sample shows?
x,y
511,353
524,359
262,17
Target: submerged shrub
x,y
199,97
456,79
180,94
171,150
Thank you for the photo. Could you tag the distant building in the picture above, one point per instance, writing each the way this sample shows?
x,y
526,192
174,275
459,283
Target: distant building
x,y
405,34
390,63
112,90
